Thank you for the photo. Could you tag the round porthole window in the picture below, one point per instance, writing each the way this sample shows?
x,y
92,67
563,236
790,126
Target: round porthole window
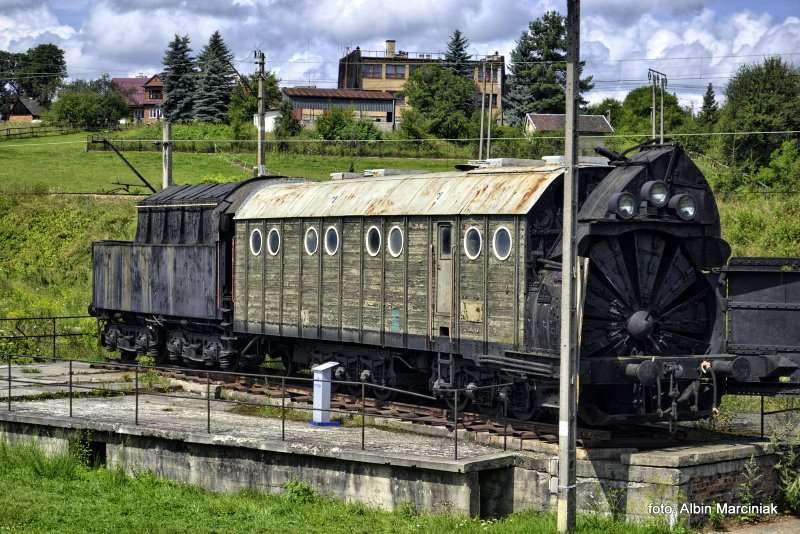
x,y
395,241
331,240
472,242
501,242
373,241
312,241
255,242
273,241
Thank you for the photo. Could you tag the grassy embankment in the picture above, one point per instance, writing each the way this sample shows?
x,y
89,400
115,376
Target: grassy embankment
x,y
61,494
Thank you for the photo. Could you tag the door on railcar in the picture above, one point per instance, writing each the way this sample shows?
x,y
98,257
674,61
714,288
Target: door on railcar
x,y
443,271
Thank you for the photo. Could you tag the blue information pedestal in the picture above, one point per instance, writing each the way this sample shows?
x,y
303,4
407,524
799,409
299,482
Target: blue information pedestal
x,y
322,394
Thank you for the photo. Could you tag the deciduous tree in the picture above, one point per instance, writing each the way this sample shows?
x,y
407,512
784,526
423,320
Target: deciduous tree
x,y
444,99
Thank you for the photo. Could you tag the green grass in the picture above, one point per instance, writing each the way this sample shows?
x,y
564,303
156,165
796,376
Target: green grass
x,y
63,165
61,494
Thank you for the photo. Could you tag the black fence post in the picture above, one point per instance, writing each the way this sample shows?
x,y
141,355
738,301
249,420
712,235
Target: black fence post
x,y
363,412
136,394
208,403
70,388
762,416
455,425
283,408
54,338
9,382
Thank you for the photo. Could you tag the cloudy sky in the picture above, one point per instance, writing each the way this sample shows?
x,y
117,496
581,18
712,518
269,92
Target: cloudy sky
x,y
693,41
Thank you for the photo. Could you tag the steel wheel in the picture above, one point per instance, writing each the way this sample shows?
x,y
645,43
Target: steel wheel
x,y
644,296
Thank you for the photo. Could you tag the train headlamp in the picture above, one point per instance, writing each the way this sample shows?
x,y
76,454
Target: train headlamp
x,y
684,206
623,205
656,193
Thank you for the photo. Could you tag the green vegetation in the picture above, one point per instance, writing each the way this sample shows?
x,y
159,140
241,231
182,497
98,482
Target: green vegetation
x,y
538,69
58,493
91,105
45,265
442,103
63,165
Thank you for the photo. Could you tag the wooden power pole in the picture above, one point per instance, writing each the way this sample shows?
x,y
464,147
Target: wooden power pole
x,y
567,405
166,154
261,169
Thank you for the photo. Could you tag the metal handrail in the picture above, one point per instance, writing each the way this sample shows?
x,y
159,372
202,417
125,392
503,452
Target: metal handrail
x,y
137,369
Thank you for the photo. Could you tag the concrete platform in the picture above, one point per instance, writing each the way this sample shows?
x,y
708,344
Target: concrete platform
x,y
397,467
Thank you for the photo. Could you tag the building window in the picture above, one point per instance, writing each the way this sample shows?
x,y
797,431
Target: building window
x,y
155,94
373,241
155,113
312,241
395,241
371,70
395,72
491,74
413,68
273,241
473,242
255,242
331,240
501,243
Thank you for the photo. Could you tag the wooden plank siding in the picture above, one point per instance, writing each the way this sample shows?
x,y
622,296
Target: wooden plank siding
x,y
381,300
292,248
331,283
352,250
255,279
310,290
470,289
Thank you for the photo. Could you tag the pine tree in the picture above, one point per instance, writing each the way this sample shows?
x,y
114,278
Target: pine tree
x,y
538,76
216,55
212,93
179,80
456,58
710,110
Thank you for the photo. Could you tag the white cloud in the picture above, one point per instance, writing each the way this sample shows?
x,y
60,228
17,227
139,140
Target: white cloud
x,y
303,39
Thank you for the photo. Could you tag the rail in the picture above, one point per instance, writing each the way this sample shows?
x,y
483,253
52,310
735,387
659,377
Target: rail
x,y
42,328
137,391
763,413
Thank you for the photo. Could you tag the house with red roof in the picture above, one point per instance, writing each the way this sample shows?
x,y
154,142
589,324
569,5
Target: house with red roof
x,y
144,95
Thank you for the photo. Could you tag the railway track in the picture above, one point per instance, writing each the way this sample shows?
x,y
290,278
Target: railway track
x,y
640,436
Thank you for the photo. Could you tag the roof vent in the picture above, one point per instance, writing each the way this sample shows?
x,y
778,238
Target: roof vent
x,y
503,162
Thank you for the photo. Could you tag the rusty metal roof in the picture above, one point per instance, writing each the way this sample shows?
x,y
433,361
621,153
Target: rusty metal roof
x,y
510,191
349,94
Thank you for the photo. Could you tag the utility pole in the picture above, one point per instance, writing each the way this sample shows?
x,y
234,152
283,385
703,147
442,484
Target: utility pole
x,y
261,169
567,403
489,125
483,106
663,80
166,154
657,79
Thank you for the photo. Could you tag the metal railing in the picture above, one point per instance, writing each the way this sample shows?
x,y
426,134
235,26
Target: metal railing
x,y
457,420
43,328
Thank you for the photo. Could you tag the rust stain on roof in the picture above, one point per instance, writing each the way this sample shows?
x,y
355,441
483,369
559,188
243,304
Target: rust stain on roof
x,y
503,192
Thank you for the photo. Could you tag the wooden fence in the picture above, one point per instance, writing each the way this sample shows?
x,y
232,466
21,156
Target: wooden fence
x,y
25,132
